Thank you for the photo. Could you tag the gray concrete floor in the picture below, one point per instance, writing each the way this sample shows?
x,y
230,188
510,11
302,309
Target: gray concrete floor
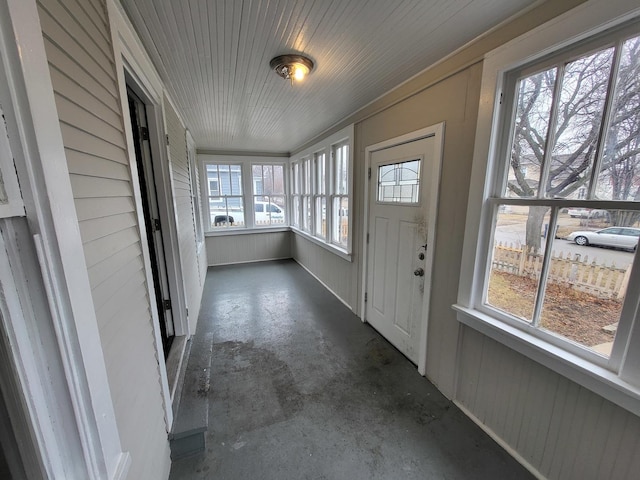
x,y
302,389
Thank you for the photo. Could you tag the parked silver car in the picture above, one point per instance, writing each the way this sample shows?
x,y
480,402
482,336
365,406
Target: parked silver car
x,y
620,237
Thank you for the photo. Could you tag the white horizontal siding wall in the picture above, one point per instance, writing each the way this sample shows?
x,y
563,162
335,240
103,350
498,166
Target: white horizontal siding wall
x,y
560,428
80,55
332,270
243,248
182,196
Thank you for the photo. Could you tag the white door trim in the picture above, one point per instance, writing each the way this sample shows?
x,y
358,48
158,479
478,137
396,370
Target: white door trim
x,y
53,221
436,131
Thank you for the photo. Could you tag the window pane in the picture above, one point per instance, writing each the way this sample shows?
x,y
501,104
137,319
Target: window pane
x,y
341,170
533,110
580,109
306,180
340,230
226,212
517,259
619,177
320,174
269,210
306,213
296,178
399,182
320,228
296,211
588,276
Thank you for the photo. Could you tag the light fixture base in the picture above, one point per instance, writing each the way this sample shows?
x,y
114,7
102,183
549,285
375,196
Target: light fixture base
x,y
292,66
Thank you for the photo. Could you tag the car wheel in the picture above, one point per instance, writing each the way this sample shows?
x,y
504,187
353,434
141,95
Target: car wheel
x,y
582,241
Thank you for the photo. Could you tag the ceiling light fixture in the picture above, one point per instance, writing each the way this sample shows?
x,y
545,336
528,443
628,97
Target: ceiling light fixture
x,y
292,67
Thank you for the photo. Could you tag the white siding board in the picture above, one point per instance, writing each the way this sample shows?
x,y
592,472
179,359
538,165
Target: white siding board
x,y
57,35
84,186
106,247
73,114
69,88
183,197
62,62
88,208
90,25
78,140
102,271
79,164
95,46
78,47
97,228
112,290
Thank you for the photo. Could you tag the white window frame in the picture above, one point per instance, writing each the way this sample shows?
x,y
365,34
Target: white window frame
x,y
246,163
619,380
326,146
254,193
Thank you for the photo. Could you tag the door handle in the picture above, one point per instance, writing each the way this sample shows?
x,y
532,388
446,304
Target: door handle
x,y
419,272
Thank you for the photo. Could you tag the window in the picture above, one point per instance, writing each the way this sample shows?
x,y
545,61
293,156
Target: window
x,y
242,192
321,192
269,195
225,200
555,271
399,182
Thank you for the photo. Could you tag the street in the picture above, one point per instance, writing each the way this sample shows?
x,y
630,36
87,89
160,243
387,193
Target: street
x,y
515,234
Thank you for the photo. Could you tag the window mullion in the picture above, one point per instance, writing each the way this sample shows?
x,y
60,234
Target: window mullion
x,y
544,273
551,133
606,120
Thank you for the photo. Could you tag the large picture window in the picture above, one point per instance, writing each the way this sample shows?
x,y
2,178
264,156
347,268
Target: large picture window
x,y
555,273
574,134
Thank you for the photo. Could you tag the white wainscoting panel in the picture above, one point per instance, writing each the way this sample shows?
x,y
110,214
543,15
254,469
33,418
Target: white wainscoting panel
x,y
331,269
254,247
560,428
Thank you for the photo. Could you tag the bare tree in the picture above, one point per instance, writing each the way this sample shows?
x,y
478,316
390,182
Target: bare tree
x,y
563,128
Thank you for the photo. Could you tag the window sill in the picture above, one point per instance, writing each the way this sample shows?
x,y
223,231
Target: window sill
x,y
321,243
590,376
247,231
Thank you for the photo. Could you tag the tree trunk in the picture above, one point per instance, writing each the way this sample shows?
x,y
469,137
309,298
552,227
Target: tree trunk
x,y
534,228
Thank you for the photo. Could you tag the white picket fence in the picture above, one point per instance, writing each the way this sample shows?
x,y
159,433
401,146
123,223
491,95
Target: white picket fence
x,y
578,272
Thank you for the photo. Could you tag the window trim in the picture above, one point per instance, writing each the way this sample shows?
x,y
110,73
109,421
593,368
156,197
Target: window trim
x,y
621,386
326,146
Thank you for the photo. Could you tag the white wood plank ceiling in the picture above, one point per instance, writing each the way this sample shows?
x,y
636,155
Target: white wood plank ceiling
x,y
213,56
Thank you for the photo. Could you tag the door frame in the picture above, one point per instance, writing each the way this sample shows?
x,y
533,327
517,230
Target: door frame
x,y
135,70
436,131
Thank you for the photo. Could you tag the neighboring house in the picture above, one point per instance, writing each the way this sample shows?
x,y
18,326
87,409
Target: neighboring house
x,y
101,285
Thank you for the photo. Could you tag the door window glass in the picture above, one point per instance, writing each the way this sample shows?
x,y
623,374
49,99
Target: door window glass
x,y
399,182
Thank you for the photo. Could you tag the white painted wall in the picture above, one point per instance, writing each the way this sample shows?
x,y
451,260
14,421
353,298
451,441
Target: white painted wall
x,y
554,426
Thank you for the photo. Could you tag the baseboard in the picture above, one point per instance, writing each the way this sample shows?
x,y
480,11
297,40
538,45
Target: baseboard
x,y
248,261
519,458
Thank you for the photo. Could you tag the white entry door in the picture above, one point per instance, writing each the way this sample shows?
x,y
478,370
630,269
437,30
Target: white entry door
x,y
401,204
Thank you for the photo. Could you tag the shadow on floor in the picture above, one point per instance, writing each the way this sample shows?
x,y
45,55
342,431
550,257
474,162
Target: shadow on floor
x,y
302,389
